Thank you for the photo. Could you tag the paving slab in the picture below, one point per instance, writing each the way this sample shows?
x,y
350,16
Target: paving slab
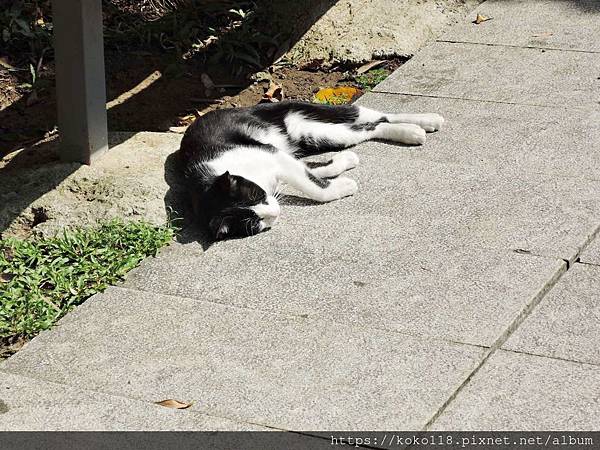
x,y
347,259
508,139
552,217
407,285
559,24
566,324
265,368
591,254
500,74
514,391
28,404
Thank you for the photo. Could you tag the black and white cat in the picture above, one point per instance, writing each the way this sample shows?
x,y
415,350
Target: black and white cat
x,y
234,160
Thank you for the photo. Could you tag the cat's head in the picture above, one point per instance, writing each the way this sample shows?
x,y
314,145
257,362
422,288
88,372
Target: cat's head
x,y
236,207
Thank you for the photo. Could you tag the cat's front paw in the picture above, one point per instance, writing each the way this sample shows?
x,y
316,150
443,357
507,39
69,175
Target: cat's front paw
x,y
413,134
342,187
346,160
431,122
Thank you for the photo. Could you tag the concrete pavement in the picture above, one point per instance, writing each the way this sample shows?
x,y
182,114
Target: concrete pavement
x,y
457,290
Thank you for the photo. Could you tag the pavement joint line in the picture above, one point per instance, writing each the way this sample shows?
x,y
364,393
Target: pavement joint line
x,y
531,47
480,100
317,319
134,399
556,358
525,312
591,238
588,263
500,341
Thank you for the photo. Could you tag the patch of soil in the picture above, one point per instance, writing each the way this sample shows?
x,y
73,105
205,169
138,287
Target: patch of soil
x,y
8,89
11,345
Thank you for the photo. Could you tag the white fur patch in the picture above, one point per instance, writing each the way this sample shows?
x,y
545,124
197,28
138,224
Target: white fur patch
x,y
429,122
300,127
405,133
269,212
256,165
272,136
366,115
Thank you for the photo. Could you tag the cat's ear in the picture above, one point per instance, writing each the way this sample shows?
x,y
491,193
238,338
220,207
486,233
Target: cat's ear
x,y
220,227
226,183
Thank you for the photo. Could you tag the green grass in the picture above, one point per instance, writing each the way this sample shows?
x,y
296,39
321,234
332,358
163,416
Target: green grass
x,y
43,278
372,78
225,31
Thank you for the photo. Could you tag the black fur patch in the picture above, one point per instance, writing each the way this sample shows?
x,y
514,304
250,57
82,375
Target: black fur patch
x,y
311,146
275,113
368,126
225,206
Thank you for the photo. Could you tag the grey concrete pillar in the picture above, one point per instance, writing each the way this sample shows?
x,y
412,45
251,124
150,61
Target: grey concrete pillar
x,y
80,84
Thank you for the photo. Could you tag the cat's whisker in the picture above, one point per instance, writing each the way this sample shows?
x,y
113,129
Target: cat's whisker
x,y
278,193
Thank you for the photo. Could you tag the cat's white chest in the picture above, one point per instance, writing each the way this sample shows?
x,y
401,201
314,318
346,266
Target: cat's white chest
x,y
255,165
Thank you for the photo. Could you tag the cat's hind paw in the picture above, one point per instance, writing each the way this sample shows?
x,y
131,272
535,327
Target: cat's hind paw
x,y
412,134
346,160
431,122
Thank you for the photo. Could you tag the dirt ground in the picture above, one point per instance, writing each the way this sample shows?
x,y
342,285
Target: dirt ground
x,y
174,99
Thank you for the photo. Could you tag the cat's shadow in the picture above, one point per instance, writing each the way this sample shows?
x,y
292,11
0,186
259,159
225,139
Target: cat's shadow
x,y
295,200
179,211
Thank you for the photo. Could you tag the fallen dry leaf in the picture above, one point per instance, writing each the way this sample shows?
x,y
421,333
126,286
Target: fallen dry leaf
x,y
370,65
175,404
6,277
479,19
274,94
339,95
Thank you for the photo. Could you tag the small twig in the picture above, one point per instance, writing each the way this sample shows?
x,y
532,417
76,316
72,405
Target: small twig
x,y
217,101
39,64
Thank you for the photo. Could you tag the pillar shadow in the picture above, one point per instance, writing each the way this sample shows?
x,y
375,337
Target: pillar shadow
x,y
24,125
28,175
